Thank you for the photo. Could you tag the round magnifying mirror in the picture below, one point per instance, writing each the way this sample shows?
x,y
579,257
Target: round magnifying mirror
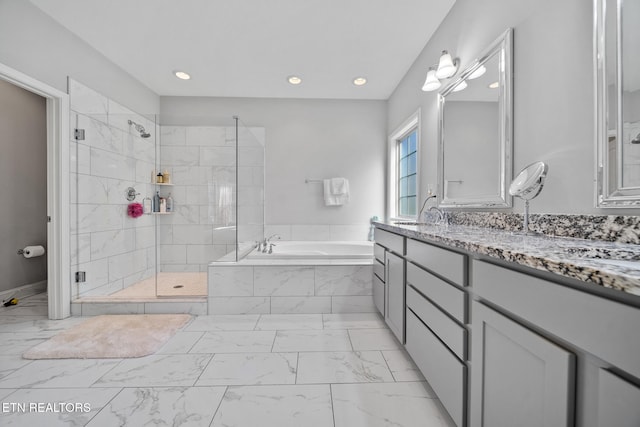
x,y
529,182
527,185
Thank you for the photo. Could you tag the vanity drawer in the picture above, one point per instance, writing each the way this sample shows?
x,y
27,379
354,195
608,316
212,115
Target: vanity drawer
x,y
378,269
448,297
444,372
448,264
378,252
390,241
451,333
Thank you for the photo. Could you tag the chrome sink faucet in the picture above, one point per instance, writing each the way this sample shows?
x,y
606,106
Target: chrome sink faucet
x,y
433,196
442,215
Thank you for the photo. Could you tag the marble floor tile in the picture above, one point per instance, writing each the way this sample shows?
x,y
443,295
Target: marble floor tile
x,y
406,404
273,322
353,321
235,342
23,324
287,341
180,343
170,370
59,373
275,406
401,366
373,339
177,406
250,369
6,392
224,322
342,367
18,343
9,364
95,399
26,308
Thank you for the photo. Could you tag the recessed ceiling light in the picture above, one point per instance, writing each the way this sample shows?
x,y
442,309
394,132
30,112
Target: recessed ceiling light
x,y
359,81
494,85
294,80
182,75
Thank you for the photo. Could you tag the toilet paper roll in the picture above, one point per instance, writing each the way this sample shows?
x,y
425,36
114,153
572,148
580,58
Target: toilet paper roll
x,y
33,251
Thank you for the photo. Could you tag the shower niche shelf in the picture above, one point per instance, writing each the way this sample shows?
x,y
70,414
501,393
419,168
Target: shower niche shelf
x,y
162,183
158,213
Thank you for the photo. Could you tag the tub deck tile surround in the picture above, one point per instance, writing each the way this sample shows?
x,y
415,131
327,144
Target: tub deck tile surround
x,y
287,286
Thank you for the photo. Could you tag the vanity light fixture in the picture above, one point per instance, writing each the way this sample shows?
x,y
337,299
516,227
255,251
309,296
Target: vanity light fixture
x,y
477,72
431,83
181,75
447,67
494,85
461,86
294,80
359,81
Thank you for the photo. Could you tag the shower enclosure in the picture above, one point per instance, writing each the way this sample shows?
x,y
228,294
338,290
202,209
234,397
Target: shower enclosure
x,y
124,245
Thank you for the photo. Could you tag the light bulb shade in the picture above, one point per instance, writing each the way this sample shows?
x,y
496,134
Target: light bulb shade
x,y
446,67
432,82
477,72
460,86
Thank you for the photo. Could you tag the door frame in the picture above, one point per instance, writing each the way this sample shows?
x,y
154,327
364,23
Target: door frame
x,y
58,197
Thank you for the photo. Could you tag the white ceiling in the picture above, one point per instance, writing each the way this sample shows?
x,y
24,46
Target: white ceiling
x,y
247,48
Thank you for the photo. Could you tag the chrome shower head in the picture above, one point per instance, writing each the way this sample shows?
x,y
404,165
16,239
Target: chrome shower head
x,y
139,128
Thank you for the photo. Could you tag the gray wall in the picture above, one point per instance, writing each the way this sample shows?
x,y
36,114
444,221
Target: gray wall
x,y
35,44
23,185
313,139
554,104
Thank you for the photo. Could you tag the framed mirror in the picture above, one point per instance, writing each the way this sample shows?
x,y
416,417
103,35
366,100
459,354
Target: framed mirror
x,y
617,64
475,132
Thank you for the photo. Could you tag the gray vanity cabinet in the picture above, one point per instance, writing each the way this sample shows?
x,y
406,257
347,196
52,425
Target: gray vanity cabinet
x,y
519,378
389,290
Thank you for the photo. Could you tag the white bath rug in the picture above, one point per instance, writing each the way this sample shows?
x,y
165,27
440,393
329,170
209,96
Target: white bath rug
x,y
111,336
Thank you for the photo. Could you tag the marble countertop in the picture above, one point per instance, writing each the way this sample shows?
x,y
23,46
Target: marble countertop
x,y
608,264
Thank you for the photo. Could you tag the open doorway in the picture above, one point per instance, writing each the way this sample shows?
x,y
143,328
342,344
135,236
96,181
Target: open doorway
x,y
23,184
38,111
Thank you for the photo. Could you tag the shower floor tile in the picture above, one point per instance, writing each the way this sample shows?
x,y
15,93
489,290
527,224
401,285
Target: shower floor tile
x,y
169,285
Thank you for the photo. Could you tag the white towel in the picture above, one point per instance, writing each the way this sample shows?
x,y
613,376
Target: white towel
x,y
336,191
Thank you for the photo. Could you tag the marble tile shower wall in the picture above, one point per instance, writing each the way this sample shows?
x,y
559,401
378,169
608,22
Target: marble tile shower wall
x,y
113,249
201,160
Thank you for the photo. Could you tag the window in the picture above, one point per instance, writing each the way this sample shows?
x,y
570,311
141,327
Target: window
x,y
403,169
407,165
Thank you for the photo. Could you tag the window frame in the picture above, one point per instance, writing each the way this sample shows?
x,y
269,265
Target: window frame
x,y
407,127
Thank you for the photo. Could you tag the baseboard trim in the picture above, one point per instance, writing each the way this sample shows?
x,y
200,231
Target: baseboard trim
x,y
24,291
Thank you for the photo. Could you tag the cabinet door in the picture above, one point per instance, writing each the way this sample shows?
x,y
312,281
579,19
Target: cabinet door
x,y
394,315
518,378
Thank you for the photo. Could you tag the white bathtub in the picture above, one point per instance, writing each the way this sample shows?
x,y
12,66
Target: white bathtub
x,y
315,250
